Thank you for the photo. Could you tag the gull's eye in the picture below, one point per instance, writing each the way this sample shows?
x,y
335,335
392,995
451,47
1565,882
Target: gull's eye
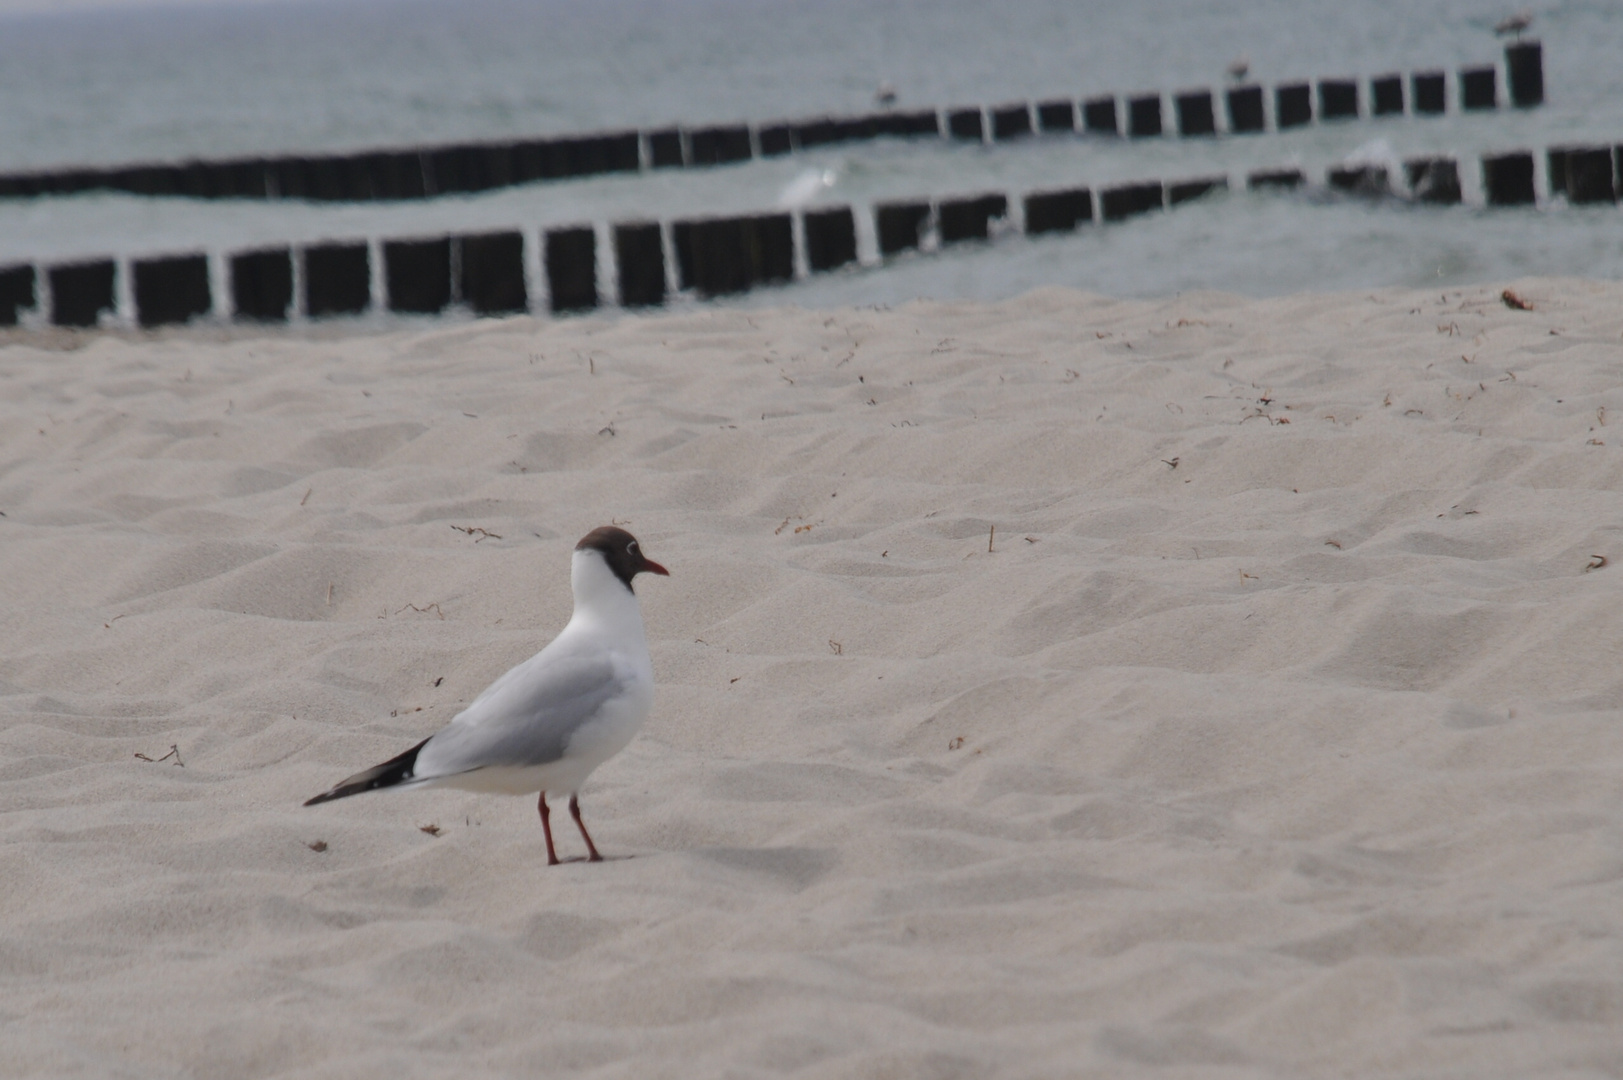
x,y
632,547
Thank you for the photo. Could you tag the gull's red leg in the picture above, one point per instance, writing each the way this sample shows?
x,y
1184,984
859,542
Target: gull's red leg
x,y
574,812
546,827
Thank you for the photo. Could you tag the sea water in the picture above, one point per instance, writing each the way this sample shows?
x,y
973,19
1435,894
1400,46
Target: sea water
x,y
229,80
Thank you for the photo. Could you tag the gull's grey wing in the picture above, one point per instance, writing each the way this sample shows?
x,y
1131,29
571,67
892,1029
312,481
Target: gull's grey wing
x,y
527,718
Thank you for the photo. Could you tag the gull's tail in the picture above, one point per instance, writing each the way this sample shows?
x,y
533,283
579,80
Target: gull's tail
x,y
394,771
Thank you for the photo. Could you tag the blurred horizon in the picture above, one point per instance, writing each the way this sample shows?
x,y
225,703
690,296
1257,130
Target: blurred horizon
x,y
77,7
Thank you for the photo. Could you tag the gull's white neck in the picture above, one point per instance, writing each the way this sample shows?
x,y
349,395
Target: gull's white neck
x,y
602,601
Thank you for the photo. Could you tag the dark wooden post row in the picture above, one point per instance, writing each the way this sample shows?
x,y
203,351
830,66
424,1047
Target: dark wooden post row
x,y
467,168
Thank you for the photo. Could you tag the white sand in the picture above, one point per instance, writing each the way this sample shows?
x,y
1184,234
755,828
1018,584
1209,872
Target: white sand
x,y
1303,757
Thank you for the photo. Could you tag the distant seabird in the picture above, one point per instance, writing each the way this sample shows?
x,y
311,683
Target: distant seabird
x,y
1514,24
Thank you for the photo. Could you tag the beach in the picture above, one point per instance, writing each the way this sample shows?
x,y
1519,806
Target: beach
x,y
1053,687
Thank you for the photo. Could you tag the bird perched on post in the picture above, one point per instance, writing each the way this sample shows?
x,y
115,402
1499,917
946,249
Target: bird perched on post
x,y
1239,69
1514,24
547,723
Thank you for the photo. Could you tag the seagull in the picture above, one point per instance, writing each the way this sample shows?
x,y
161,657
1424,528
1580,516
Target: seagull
x,y
546,724
885,95
1239,69
1514,24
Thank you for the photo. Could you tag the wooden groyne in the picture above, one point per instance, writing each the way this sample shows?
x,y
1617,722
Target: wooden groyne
x,y
467,168
642,263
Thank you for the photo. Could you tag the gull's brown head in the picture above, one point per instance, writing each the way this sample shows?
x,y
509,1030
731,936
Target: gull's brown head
x,y
621,551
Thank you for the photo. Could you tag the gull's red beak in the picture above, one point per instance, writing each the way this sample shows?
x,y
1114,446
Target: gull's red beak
x,y
653,568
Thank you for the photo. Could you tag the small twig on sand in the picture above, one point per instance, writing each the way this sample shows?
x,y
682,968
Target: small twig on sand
x,y
174,752
991,535
435,608
1514,302
430,829
471,529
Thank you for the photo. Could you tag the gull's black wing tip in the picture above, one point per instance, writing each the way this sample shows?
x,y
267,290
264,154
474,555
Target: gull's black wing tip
x,y
392,772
